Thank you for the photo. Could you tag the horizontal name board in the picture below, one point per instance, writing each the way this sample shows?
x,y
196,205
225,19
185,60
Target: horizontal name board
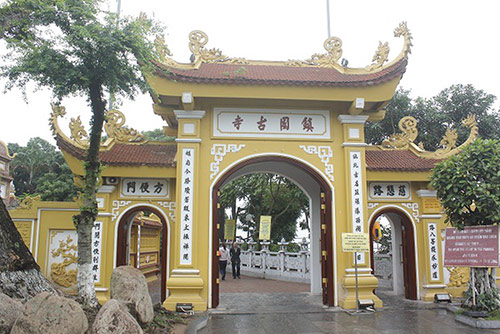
x,y
271,123
390,190
145,187
471,247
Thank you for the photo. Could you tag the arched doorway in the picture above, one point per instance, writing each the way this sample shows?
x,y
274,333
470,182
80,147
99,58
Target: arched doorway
x,y
317,189
404,270
125,244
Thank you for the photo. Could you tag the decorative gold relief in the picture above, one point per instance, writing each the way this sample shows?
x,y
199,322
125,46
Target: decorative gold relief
x,y
402,30
161,48
27,202
78,132
115,129
408,125
67,250
405,140
380,56
197,41
332,45
459,277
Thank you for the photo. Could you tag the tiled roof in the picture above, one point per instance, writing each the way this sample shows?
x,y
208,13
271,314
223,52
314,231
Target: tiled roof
x,y
280,75
396,160
150,154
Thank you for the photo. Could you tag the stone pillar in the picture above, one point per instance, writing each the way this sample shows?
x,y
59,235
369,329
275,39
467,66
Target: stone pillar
x,y
356,208
185,283
431,220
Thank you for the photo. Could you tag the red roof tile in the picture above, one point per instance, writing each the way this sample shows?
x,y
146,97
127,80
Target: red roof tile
x,y
150,154
396,160
221,73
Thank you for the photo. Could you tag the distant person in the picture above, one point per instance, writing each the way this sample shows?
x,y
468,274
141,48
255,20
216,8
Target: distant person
x,y
235,259
224,257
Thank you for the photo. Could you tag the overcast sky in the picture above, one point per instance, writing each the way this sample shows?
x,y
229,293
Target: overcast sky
x,y
454,42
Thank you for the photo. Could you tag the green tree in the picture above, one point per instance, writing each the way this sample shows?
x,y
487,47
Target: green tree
x,y
75,48
157,135
468,185
266,194
435,115
39,169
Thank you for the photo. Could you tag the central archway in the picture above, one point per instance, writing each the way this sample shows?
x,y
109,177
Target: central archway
x,y
320,193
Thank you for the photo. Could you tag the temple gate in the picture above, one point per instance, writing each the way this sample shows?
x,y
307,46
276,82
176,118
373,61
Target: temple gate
x,y
303,119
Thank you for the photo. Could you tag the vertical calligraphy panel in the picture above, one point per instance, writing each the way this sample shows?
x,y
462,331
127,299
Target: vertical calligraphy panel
x,y
357,196
96,251
433,251
186,219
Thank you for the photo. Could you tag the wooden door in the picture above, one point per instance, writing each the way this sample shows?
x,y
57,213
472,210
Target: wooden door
x,y
215,250
326,248
409,272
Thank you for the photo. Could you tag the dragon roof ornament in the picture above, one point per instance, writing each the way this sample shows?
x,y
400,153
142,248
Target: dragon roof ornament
x,y
448,145
114,128
331,59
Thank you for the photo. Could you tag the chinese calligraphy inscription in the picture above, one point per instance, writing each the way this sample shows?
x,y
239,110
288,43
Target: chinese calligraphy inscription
x,y
145,187
390,190
357,185
433,251
186,218
96,250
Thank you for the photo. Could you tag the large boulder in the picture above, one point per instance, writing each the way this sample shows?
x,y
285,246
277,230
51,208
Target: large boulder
x,y
114,317
47,313
10,309
129,285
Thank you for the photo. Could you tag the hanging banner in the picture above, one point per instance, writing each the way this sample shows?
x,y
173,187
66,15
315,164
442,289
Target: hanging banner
x,y
265,228
472,247
355,242
229,227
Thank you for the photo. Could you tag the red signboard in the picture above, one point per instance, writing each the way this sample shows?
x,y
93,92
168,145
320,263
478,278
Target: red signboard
x,y
471,247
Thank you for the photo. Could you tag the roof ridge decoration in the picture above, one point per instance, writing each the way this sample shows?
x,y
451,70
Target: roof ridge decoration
x,y
197,41
333,46
405,139
115,128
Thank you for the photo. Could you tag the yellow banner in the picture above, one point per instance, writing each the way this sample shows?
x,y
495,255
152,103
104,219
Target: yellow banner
x,y
355,242
265,228
229,228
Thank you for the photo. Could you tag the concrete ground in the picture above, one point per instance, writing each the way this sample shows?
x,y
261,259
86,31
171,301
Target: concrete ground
x,y
258,306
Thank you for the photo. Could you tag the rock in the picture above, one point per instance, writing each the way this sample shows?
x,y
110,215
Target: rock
x,y
47,313
129,285
114,317
10,309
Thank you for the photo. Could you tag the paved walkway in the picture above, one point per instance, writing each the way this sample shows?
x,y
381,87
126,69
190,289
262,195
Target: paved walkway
x,y
291,312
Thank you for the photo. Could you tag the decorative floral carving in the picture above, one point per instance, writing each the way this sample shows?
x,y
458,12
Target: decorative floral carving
x,y
68,251
408,125
414,210
219,151
324,153
402,30
372,205
380,56
115,129
459,277
28,201
116,208
197,41
78,133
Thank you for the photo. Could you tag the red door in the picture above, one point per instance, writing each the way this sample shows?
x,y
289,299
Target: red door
x,y
409,273
326,248
215,251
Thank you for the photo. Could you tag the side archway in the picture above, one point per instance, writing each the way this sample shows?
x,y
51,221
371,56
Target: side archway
x,y
122,241
404,236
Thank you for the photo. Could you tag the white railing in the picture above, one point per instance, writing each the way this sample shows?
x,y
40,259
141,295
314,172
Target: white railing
x,y
280,265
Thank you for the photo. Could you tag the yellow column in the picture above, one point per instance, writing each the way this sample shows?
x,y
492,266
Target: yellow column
x,y
356,208
432,223
185,284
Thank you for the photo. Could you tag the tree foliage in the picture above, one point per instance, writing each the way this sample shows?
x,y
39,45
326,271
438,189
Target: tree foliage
x,y
266,194
435,115
157,135
75,48
468,185
39,169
